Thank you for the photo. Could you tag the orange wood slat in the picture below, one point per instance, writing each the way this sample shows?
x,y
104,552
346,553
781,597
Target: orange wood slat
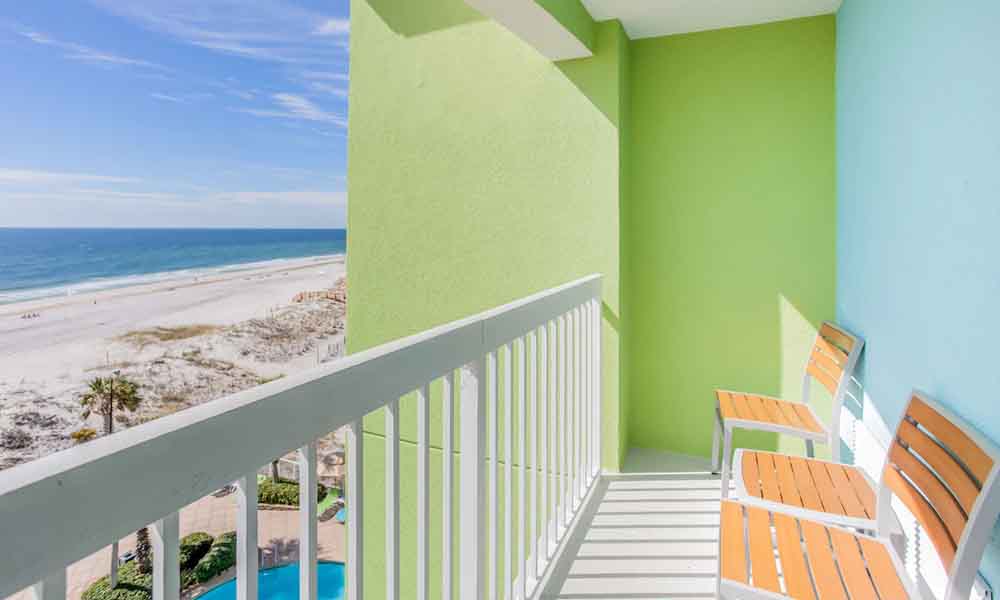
x,y
852,565
834,335
751,476
827,363
742,409
925,514
804,484
827,493
808,420
726,406
862,488
850,501
762,566
828,381
777,415
793,560
824,570
786,480
760,413
941,499
733,546
953,438
944,464
768,478
789,411
883,572
831,350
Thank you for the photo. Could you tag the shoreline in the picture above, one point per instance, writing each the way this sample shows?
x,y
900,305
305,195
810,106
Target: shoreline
x,y
184,342
155,278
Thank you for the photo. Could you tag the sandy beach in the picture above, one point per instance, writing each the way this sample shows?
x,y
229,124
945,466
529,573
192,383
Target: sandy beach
x,y
185,342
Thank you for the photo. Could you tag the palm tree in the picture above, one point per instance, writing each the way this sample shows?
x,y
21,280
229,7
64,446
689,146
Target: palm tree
x,y
103,396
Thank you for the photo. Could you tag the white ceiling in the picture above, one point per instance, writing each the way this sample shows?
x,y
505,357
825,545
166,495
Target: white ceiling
x,y
652,18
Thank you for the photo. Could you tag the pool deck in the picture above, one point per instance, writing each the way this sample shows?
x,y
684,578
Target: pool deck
x,y
278,534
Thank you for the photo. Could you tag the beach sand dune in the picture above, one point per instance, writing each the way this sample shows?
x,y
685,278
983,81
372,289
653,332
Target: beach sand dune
x,y
185,342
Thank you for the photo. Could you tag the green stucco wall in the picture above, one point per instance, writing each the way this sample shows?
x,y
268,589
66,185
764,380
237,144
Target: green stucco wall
x,y
480,172
572,15
730,228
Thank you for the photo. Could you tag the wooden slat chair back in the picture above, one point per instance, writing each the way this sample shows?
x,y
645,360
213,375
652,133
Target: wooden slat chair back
x,y
831,363
946,475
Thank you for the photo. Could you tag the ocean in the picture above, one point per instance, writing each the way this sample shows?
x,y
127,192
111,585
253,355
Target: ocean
x,y
39,263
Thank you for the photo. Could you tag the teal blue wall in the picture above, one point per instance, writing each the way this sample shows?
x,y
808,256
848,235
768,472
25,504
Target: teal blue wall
x,y
918,176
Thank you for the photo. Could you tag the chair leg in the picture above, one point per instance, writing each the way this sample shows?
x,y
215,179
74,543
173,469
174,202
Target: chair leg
x,y
716,441
727,460
810,449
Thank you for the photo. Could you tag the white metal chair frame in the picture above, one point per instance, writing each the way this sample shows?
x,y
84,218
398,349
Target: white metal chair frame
x,y
724,427
963,571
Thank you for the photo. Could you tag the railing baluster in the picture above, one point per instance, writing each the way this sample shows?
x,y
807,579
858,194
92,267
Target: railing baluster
x,y
52,587
447,480
392,500
554,445
531,567
563,462
577,413
423,496
543,436
246,537
523,467
508,459
165,539
307,522
472,462
494,414
589,368
598,393
355,514
580,412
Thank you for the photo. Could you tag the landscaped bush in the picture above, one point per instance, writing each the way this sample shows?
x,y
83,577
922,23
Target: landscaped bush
x,y
132,585
220,557
193,547
284,492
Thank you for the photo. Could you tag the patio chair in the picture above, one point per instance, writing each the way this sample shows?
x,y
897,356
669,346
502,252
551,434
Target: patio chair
x,y
945,475
831,362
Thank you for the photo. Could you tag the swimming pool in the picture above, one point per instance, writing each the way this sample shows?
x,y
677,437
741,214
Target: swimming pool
x,y
282,583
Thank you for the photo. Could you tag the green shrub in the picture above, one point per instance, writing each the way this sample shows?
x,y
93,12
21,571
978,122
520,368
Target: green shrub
x,y
220,557
193,547
285,492
132,585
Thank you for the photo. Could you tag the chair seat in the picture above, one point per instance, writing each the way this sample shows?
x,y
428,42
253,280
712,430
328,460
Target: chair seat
x,y
809,488
773,554
753,411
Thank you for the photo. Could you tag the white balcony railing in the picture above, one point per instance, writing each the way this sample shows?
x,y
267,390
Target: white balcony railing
x,y
58,509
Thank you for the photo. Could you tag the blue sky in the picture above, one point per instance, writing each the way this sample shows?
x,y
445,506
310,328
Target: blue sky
x,y
173,113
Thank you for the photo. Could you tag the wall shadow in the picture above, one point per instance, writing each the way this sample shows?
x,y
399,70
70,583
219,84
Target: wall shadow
x,y
411,19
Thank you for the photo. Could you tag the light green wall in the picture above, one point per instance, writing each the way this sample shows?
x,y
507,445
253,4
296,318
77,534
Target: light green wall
x,y
731,224
572,15
480,172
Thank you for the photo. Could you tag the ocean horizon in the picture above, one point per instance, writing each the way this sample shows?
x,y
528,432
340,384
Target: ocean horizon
x,y
38,263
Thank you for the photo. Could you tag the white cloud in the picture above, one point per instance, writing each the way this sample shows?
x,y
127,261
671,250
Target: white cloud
x,y
86,54
334,27
21,176
167,98
296,107
325,75
267,30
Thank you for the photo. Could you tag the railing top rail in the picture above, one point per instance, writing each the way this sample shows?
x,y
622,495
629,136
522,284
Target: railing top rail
x,y
60,508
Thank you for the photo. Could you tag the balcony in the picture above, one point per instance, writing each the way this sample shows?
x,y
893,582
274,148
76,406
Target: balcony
x,y
516,385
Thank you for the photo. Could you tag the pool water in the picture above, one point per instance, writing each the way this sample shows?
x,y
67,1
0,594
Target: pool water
x,y
282,583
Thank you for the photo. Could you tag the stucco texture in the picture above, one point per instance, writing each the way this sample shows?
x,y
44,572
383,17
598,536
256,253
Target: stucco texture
x,y
731,223
480,172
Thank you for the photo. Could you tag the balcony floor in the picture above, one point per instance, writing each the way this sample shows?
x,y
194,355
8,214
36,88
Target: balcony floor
x,y
650,532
